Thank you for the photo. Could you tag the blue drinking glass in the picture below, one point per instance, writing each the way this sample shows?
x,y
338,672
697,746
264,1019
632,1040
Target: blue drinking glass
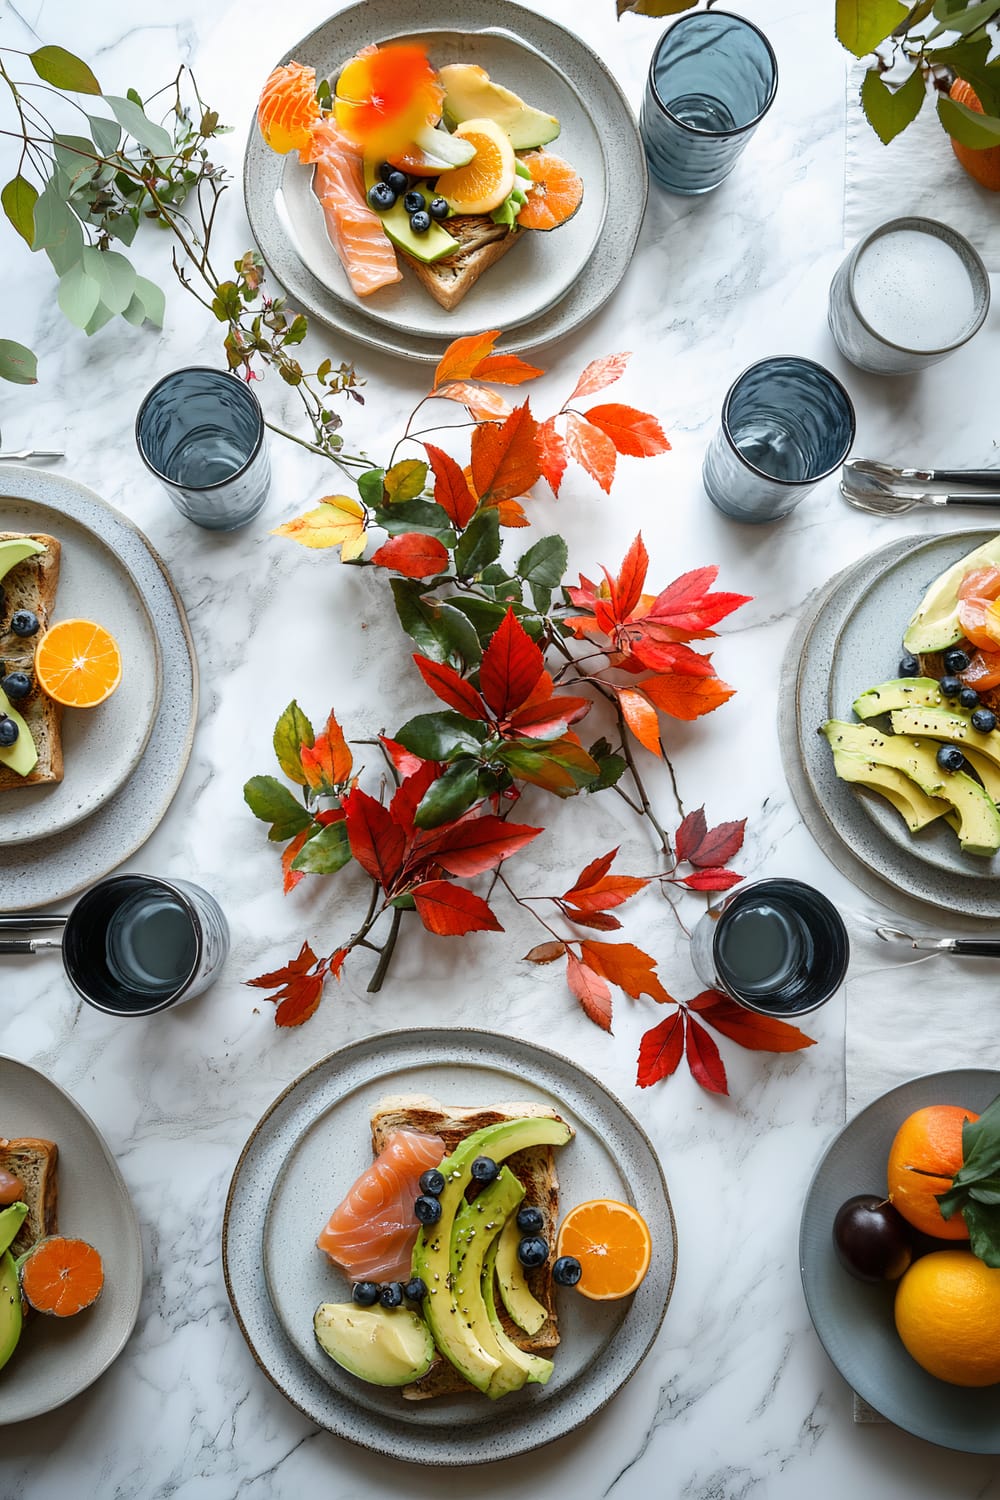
x,y
711,81
201,432
786,424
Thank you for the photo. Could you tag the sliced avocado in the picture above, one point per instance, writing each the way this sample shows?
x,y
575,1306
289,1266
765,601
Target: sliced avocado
x,y
935,625
434,245
385,1346
987,771
477,1225
432,1252
914,806
953,724
11,1316
526,1311
982,751
899,692
15,549
21,757
11,1219
470,94
537,1369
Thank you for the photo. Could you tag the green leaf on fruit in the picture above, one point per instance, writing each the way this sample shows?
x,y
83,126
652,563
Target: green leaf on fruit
x,y
975,1188
966,126
17,364
889,111
862,24
63,70
969,60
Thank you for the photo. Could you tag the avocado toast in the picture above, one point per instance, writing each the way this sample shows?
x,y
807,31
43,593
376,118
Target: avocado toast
x,y
28,588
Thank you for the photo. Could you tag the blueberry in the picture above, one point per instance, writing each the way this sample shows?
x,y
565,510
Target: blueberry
x,y
391,1294
438,208
968,697
532,1251
984,719
386,170
24,622
955,661
415,1290
365,1293
484,1169
950,687
420,222
529,1220
427,1209
381,197
950,758
16,685
432,1182
567,1271
8,732
398,181
909,666
414,202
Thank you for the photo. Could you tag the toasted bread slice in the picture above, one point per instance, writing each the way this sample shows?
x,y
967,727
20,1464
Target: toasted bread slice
x,y
534,1168
32,584
34,1161
482,244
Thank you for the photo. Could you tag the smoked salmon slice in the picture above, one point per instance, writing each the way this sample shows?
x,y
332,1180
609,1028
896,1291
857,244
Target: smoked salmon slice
x,y
372,1233
355,230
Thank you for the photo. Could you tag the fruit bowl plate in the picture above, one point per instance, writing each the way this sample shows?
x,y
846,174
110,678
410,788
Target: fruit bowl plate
x,y
854,1320
308,1149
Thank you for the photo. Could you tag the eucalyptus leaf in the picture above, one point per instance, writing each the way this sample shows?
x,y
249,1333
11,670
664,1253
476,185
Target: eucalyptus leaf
x,y
79,295
153,300
441,736
292,731
17,364
450,796
139,126
966,126
57,229
107,134
63,70
19,198
889,111
325,852
862,24
273,803
101,315
114,274
77,155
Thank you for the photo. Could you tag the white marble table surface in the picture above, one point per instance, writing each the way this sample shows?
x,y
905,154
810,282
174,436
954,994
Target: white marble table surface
x,y
737,1398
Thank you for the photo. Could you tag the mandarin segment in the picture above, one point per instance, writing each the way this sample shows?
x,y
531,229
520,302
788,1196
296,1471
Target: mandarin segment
x,y
613,1245
923,1158
78,663
62,1276
556,194
287,110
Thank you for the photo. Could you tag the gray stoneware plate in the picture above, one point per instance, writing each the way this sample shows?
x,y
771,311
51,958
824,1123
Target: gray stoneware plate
x,y
310,1146
545,57
57,1358
101,746
849,642
854,1320
533,276
49,869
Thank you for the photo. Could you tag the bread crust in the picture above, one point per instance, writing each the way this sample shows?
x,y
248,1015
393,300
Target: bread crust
x,y
481,244
35,1162
32,584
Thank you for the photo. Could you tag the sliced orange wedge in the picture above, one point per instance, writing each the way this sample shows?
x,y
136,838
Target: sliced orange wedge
x,y
557,191
613,1245
78,664
287,110
483,183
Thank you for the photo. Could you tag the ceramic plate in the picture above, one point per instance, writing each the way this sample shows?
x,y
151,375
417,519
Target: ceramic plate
x,y
57,1358
534,274
854,1321
101,746
49,869
572,273
308,1149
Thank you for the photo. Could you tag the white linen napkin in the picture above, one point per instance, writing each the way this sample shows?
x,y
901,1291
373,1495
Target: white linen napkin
x,y
917,173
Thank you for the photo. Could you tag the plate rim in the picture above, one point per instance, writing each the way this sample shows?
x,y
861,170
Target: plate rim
x,y
457,1034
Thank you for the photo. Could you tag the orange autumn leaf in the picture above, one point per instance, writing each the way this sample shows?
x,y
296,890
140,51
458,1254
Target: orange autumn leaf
x,y
462,356
545,953
328,761
600,373
451,489
505,369
290,852
755,1032
687,697
633,432
412,554
627,966
592,449
485,406
592,991
640,716
504,456
551,446
451,910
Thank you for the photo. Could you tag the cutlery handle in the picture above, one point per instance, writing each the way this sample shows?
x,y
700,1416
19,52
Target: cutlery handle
x,y
28,923
966,476
977,947
18,945
987,500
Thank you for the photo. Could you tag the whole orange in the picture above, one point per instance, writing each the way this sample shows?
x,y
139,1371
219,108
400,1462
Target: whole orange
x,y
948,1316
983,165
923,1158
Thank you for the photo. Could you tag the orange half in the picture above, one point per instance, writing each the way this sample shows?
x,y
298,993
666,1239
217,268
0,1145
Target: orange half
x,y
78,663
557,192
483,183
613,1245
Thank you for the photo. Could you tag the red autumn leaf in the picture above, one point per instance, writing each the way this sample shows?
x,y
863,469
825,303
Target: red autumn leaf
x,y
640,716
600,921
701,845
409,794
299,1005
462,356
704,1058
668,656
412,554
592,991
600,373
404,760
712,879
545,713
687,606
377,841
661,1050
299,986
511,667
756,1033
613,890
484,405
477,844
626,589
451,910
329,757
504,456
633,432
627,966
551,447
450,687
591,874
545,953
292,877
505,369
295,967
687,697
690,833
450,489
511,513
592,449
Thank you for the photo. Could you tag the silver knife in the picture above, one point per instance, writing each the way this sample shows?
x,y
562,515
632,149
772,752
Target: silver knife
x,y
886,474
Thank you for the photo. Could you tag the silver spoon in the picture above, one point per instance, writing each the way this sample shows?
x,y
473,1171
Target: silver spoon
x,y
882,502
16,453
870,468
964,947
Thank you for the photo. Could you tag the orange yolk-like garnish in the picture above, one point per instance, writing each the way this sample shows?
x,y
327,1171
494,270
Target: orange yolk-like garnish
x,y
386,96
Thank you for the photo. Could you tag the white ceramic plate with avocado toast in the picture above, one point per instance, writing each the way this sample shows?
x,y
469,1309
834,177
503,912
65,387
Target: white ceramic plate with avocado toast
x,y
280,1182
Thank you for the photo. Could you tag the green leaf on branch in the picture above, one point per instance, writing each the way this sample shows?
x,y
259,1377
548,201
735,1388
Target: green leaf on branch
x,y
17,364
479,544
442,736
148,304
326,852
405,480
273,803
78,295
19,198
862,24
416,515
107,134
450,796
442,632
966,126
371,487
658,8
952,19
975,1187
292,731
545,562
63,70
134,119
114,275
890,110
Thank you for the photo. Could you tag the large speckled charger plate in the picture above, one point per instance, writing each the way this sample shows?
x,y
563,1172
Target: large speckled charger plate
x,y
854,1320
310,1146
57,1358
49,869
847,641
548,290
101,746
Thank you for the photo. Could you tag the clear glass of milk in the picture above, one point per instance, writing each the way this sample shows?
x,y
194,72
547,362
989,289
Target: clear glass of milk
x,y
911,293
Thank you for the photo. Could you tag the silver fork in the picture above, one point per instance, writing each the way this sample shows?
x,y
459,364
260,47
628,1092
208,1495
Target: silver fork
x,y
879,501
964,947
871,468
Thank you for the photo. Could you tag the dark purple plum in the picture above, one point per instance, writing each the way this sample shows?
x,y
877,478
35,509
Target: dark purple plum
x,y
872,1239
